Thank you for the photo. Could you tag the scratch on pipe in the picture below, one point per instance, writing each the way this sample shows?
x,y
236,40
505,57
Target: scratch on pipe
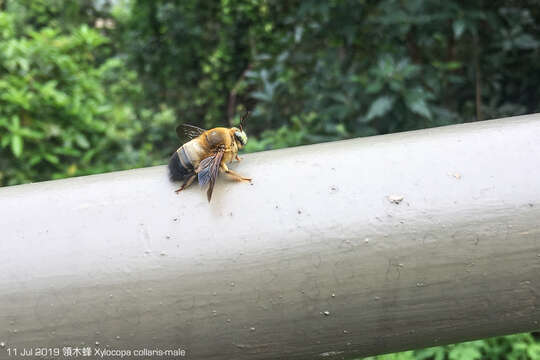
x,y
331,353
251,347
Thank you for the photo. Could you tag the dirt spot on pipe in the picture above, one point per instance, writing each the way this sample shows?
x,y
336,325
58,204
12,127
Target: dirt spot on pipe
x,y
395,199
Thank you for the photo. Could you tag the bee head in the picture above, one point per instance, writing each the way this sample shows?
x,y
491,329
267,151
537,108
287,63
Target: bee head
x,y
240,137
239,133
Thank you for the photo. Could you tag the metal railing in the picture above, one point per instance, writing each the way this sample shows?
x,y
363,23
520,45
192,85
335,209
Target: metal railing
x,y
337,250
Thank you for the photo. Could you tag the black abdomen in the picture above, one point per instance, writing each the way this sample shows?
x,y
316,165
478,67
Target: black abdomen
x,y
179,165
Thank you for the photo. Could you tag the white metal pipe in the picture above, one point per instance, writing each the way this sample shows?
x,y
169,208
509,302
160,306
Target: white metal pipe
x,y
337,250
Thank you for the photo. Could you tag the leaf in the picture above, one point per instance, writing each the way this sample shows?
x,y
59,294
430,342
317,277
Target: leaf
x,y
34,160
430,353
374,87
31,134
67,151
16,145
251,74
51,158
465,351
340,97
380,107
298,31
459,28
15,123
534,351
82,141
261,96
6,140
420,107
526,41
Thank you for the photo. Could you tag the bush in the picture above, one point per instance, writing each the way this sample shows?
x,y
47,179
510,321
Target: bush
x,y
512,347
334,69
62,113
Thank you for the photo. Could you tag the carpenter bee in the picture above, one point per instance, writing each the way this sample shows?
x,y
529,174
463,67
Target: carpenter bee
x,y
206,153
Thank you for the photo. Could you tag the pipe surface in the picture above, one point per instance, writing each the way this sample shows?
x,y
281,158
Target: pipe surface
x,y
337,250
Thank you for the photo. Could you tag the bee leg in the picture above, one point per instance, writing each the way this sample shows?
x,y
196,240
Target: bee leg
x,y
237,158
233,174
186,183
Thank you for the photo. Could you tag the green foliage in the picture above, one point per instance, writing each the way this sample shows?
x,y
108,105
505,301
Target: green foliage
x,y
334,69
512,347
51,101
61,112
58,14
312,71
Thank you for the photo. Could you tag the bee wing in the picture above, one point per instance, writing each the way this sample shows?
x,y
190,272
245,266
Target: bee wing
x,y
188,131
208,170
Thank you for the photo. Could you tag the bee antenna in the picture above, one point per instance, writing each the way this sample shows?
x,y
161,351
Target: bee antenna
x,y
243,120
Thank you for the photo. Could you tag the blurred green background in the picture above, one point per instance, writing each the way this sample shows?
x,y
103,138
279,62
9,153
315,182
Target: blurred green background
x,y
91,86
